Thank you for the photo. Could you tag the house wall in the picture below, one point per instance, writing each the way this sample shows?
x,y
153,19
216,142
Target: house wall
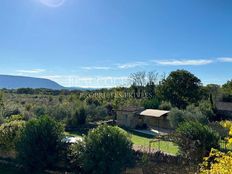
x,y
128,119
161,122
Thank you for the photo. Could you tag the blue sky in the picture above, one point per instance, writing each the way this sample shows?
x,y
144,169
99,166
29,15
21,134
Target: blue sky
x,y
98,43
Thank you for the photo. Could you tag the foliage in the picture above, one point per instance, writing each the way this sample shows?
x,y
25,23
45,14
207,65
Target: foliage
x,y
105,149
180,88
227,87
151,103
218,127
228,126
75,157
40,144
217,162
143,84
91,100
9,111
79,118
205,107
10,134
1,104
150,90
212,91
95,113
227,91
40,111
196,140
192,113
59,112
176,117
15,118
165,106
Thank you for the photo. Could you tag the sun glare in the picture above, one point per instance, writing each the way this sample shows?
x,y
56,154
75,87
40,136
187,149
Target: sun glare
x,y
52,3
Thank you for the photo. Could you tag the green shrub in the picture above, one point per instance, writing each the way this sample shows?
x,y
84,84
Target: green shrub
x,y
40,144
15,118
223,132
40,111
176,117
78,118
196,140
105,149
191,113
206,109
59,112
165,106
95,113
10,134
81,116
151,104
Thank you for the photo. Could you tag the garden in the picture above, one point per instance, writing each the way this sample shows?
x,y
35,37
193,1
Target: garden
x,y
34,124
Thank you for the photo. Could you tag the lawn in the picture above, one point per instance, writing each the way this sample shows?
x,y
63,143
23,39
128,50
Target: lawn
x,y
140,139
73,134
144,140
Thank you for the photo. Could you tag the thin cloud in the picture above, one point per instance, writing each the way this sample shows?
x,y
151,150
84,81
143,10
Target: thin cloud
x,y
131,65
96,68
32,71
192,62
225,59
52,3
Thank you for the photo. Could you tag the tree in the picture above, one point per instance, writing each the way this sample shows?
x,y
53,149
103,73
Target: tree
x,y
227,91
138,78
138,81
40,144
176,117
59,112
80,116
196,140
1,105
212,91
180,88
165,106
227,87
105,149
206,109
151,84
151,104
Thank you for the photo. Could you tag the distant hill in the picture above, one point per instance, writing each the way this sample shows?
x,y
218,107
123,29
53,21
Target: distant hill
x,y
15,82
81,88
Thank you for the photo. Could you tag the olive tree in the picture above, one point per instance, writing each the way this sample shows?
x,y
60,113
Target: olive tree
x,y
196,140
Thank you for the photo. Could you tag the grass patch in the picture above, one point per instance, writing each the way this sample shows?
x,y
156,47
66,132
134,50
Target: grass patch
x,y
144,140
73,134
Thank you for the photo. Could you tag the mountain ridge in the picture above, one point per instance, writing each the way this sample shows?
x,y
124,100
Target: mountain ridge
x,y
15,82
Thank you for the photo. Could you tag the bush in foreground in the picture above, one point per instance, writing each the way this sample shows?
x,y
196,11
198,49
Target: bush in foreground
x,y
105,149
196,140
217,162
40,144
